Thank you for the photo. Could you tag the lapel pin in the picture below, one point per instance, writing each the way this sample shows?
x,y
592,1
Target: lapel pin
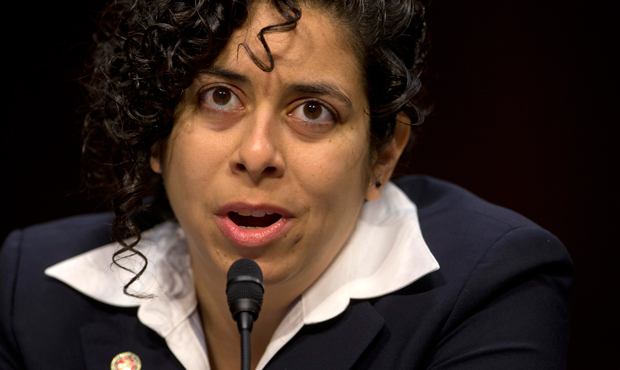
x,y
126,361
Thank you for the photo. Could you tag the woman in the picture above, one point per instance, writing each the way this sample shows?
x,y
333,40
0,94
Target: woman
x,y
274,128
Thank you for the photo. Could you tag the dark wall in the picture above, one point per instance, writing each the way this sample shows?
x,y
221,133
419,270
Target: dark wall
x,y
523,118
522,95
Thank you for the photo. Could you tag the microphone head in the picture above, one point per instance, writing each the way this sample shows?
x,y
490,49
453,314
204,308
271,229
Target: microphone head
x,y
244,287
244,266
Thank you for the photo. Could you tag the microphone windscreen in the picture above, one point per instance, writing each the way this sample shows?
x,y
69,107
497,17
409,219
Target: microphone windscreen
x,y
244,267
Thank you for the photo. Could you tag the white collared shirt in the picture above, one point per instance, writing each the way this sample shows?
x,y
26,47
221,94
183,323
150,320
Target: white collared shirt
x,y
385,253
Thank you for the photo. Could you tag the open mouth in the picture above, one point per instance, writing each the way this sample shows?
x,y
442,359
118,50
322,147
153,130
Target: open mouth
x,y
252,220
255,227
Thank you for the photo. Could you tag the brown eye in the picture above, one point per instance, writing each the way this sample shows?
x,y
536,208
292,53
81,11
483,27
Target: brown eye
x,y
312,110
221,96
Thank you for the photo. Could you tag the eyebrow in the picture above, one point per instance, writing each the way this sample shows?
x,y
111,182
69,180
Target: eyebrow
x,y
318,88
225,73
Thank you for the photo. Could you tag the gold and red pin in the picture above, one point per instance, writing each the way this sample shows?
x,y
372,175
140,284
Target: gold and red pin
x,y
126,361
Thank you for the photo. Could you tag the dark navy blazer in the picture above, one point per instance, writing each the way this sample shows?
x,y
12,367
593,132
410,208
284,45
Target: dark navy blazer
x,y
499,301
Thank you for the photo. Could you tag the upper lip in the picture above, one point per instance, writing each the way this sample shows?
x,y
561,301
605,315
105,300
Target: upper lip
x,y
236,206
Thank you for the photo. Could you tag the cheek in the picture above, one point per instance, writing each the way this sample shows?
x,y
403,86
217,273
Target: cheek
x,y
335,171
192,157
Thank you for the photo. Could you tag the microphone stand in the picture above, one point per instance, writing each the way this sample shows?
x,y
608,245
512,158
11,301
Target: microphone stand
x,y
244,289
245,341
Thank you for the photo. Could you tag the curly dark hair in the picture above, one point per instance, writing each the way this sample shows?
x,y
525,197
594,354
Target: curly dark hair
x,y
148,51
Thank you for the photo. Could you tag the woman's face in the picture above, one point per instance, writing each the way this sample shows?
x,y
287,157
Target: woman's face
x,y
292,142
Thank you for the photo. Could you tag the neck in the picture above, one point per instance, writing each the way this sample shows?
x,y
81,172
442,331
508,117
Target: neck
x,y
221,334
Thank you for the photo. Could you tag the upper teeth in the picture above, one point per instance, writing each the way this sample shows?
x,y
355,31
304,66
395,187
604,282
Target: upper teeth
x,y
246,212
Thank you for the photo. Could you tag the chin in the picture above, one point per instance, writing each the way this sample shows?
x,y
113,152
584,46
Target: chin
x,y
278,271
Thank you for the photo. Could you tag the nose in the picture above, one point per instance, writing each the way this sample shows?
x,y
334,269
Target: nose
x,y
257,154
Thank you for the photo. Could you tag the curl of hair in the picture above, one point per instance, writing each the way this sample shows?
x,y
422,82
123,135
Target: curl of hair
x,y
148,51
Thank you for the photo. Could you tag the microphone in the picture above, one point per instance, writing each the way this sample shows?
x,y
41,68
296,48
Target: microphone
x,y
244,289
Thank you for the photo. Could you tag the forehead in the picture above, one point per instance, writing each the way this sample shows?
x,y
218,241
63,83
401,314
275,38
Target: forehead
x,y
316,50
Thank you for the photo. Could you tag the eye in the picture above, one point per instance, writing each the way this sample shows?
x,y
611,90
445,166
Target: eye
x,y
314,112
221,98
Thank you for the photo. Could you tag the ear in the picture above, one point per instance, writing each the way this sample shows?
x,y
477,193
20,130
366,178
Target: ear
x,y
155,159
388,157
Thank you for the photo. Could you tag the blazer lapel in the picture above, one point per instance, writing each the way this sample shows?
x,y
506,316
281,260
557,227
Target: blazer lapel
x,y
102,341
335,344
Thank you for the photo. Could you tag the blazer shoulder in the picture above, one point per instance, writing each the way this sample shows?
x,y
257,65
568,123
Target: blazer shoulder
x,y
433,196
27,253
80,224
58,240
503,281
40,315
460,228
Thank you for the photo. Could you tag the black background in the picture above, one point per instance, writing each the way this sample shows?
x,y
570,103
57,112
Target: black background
x,y
522,94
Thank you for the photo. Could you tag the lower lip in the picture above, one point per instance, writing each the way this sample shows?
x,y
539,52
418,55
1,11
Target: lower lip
x,y
252,238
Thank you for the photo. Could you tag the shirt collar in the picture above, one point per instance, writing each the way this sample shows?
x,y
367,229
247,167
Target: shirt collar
x,y
385,252
168,277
